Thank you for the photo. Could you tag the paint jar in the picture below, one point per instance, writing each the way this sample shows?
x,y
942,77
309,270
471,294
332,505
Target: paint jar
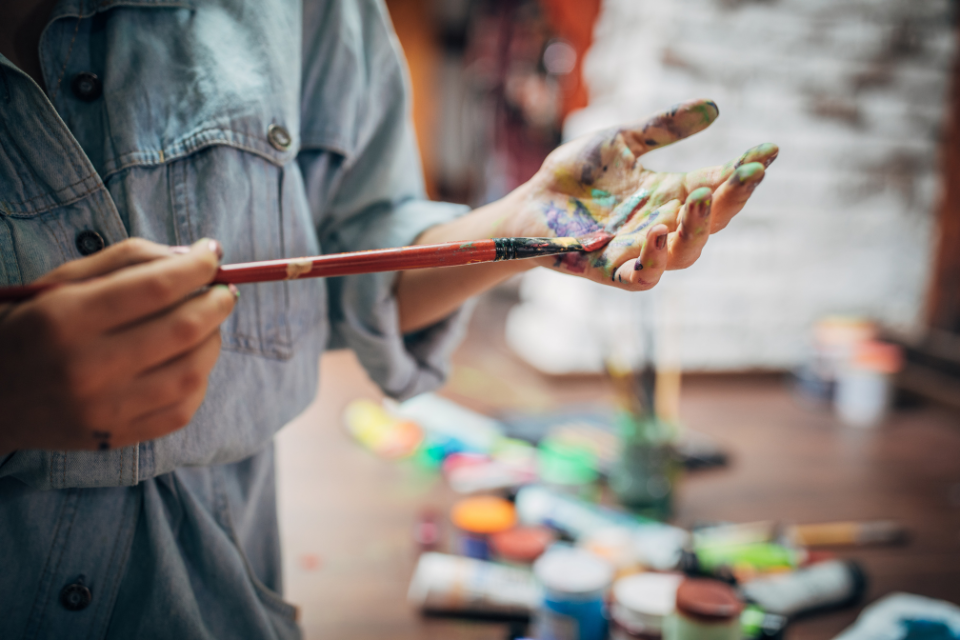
x,y
521,545
644,477
865,385
477,518
641,604
567,467
451,584
574,584
705,610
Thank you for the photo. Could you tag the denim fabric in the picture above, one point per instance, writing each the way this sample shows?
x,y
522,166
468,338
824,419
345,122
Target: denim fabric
x,y
177,536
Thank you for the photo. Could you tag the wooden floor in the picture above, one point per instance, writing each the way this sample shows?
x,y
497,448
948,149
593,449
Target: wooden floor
x,y
347,517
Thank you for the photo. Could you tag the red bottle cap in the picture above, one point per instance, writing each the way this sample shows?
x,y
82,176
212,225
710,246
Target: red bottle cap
x,y
708,600
523,544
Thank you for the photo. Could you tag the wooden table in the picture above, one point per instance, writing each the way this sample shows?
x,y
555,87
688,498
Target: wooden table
x,y
347,517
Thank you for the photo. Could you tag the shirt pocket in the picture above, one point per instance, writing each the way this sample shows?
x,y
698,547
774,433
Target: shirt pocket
x,y
257,209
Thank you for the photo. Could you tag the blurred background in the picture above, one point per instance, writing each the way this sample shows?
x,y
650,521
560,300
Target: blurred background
x,y
805,371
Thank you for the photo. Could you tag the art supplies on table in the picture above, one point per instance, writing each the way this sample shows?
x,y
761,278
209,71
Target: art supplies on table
x,y
823,585
381,432
455,585
847,533
479,517
652,544
594,427
705,610
439,416
904,616
641,604
574,583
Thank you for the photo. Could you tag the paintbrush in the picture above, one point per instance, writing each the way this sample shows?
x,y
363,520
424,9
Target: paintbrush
x,y
449,254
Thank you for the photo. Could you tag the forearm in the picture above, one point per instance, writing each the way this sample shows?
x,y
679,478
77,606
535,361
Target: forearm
x,y
425,296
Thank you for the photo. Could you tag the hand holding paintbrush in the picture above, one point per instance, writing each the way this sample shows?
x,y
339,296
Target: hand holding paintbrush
x,y
399,259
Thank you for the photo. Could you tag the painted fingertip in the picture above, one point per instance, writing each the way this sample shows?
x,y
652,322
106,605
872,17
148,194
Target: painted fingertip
x,y
698,195
661,241
637,265
233,289
747,173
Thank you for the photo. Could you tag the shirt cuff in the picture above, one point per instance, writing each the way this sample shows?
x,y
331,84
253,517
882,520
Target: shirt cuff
x,y
364,311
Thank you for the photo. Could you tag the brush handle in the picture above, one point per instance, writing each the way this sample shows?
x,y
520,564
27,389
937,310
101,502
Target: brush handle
x,y
449,254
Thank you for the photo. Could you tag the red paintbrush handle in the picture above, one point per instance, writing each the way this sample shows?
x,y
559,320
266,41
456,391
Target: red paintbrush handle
x,y
345,264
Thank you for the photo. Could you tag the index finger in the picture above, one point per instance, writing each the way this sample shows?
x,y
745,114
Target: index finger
x,y
678,122
123,254
141,290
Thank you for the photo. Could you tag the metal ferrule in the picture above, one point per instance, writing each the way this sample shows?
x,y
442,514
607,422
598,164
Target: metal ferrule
x,y
520,248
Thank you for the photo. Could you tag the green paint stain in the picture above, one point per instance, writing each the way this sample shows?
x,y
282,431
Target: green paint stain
x,y
603,198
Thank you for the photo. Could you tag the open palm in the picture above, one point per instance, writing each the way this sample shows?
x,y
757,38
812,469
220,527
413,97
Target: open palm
x,y
660,220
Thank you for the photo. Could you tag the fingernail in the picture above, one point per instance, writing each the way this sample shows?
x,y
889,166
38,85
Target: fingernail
x,y
661,241
233,289
211,245
705,207
637,266
179,251
745,173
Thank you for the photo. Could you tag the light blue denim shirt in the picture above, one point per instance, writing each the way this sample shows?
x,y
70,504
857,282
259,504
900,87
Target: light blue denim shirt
x,y
177,537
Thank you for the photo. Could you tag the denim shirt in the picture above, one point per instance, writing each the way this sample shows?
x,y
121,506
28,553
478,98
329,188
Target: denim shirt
x,y
282,130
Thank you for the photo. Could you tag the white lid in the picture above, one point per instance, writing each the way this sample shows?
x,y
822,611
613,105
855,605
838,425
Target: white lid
x,y
645,599
571,570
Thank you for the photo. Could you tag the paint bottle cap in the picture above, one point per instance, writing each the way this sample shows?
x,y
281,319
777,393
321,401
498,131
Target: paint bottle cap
x,y
523,544
709,601
484,514
572,571
644,600
881,357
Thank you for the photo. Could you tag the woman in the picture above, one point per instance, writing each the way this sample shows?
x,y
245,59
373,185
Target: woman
x,y
136,461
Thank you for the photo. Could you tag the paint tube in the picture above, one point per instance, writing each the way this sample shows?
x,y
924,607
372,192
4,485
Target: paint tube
x,y
823,585
451,584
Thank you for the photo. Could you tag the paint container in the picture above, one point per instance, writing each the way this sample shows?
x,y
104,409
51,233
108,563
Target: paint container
x,y
705,610
565,466
648,468
820,586
451,584
574,584
865,385
479,517
641,604
521,545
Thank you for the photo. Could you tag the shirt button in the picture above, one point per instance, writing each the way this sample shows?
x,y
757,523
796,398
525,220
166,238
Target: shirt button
x,y
279,137
89,242
86,86
76,596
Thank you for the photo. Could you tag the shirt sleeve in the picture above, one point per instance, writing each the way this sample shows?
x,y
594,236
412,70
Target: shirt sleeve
x,y
365,188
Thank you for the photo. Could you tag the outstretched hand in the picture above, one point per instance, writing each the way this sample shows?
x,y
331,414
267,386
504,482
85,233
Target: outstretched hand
x,y
660,220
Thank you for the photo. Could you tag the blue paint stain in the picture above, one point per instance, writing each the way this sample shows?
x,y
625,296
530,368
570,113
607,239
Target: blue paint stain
x,y
577,223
